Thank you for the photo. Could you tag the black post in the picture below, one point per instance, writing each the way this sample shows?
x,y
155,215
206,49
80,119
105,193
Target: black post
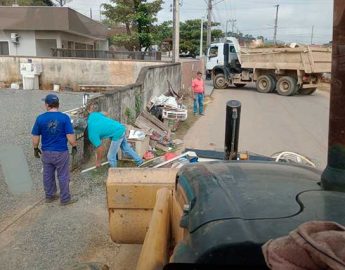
x,y
333,178
226,53
232,129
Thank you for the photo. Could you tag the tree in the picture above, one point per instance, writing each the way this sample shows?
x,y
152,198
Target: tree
x,y
189,35
138,17
162,35
61,3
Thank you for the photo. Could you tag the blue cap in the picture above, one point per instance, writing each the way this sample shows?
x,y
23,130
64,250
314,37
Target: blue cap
x,y
51,99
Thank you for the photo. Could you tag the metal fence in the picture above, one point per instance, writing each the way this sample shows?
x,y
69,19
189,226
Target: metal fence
x,y
150,56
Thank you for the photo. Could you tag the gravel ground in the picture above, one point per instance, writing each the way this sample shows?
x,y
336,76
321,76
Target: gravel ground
x,y
49,236
18,111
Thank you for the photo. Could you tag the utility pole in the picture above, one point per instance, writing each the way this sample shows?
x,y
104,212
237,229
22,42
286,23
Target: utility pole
x,y
209,22
91,13
176,34
276,26
226,28
233,21
201,36
312,35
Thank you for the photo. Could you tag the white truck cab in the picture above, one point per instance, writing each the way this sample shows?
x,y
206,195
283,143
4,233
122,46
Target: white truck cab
x,y
215,54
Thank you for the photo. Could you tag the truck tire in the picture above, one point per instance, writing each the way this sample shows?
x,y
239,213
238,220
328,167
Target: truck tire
x,y
264,84
274,81
286,86
307,91
219,81
239,85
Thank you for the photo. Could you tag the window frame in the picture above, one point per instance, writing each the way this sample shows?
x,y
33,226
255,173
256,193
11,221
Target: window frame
x,y
9,49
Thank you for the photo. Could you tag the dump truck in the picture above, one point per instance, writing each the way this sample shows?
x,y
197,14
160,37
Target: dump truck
x,y
288,71
218,214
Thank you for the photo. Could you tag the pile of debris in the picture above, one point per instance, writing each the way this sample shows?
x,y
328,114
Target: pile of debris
x,y
151,135
168,108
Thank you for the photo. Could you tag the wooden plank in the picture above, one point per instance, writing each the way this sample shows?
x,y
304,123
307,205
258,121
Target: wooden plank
x,y
176,215
154,253
155,121
148,126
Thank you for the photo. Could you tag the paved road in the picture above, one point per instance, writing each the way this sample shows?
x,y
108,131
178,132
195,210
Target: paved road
x,y
269,123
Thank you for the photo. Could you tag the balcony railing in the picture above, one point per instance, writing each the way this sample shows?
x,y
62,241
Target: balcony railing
x,y
150,56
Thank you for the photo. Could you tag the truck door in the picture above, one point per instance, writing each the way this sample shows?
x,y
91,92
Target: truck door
x,y
213,57
232,54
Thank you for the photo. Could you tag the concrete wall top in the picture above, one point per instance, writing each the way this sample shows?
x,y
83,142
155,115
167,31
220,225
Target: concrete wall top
x,y
72,72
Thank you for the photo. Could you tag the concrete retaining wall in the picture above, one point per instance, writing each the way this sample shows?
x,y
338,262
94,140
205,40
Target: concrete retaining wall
x,y
72,72
126,102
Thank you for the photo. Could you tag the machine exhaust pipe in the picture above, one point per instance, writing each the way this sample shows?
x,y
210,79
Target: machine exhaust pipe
x,y
333,177
232,129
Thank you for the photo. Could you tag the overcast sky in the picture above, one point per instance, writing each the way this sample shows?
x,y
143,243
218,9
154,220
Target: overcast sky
x,y
256,17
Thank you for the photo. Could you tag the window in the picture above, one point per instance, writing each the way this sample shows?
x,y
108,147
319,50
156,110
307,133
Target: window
x,y
213,52
4,48
232,49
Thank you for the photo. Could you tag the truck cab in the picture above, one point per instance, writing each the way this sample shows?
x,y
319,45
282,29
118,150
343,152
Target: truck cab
x,y
215,54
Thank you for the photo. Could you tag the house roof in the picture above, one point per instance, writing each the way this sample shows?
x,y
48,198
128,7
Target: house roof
x,y
50,19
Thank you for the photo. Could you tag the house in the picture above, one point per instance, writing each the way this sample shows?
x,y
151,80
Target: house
x,y
37,31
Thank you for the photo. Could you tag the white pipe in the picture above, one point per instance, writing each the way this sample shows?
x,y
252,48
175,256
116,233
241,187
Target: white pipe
x,y
94,167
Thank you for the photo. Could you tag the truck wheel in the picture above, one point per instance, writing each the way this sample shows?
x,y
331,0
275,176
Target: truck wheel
x,y
264,84
274,82
239,85
286,86
219,81
307,91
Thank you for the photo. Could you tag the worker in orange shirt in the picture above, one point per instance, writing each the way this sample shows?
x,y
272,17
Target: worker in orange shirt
x,y
198,87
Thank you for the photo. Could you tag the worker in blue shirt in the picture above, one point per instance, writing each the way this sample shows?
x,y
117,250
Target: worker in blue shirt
x,y
100,127
56,130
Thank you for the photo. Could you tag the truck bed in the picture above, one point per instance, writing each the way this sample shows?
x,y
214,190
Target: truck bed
x,y
307,59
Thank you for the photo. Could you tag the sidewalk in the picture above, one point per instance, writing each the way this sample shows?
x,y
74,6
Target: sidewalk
x,y
207,133
208,88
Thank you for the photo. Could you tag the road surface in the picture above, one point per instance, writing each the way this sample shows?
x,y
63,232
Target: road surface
x,y
270,123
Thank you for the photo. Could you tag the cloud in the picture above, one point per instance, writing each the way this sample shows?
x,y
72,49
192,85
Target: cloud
x,y
256,17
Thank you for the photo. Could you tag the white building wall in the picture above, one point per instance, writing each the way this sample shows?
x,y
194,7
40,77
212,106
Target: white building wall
x,y
39,43
26,45
44,47
75,38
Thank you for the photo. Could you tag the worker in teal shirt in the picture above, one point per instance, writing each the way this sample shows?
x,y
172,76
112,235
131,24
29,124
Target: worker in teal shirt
x,y
102,127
